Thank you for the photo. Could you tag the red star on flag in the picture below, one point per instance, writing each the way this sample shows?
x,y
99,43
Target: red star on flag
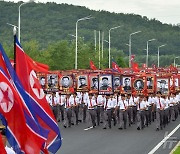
x,y
6,98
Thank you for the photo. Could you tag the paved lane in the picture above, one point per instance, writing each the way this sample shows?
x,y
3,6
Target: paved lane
x,y
113,141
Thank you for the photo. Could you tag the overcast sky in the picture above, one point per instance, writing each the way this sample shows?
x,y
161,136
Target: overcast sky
x,y
166,11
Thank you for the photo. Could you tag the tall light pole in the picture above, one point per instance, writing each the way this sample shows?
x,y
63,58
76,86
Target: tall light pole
x,y
148,51
19,19
175,61
130,35
110,43
158,51
81,19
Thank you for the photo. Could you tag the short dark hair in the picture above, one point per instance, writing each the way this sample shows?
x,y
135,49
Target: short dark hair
x,y
65,77
158,92
122,95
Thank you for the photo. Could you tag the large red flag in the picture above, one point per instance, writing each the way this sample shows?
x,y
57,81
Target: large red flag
x,y
116,67
27,75
92,66
11,108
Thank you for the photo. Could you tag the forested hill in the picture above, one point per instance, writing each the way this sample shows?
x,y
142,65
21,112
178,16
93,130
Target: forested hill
x,y
51,22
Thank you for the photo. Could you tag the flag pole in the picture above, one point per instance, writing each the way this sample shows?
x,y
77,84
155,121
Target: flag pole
x,y
14,33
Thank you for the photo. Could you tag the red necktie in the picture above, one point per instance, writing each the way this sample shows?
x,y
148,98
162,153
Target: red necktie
x,y
60,100
67,101
106,104
53,101
74,101
139,106
160,103
124,104
90,103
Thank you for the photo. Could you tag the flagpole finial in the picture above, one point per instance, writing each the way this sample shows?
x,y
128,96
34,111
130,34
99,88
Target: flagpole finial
x,y
14,30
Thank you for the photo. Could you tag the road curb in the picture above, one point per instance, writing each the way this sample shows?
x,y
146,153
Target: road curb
x,y
172,151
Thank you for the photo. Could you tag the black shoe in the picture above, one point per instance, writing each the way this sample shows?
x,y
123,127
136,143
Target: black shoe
x,y
129,125
104,128
64,126
109,127
120,128
157,129
101,122
72,123
138,128
94,126
114,123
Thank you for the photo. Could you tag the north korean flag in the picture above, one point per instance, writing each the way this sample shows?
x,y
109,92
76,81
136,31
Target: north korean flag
x,y
115,67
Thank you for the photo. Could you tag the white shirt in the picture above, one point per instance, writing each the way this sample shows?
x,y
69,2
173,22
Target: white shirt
x,y
49,99
130,101
68,102
9,150
109,104
173,100
134,100
76,101
90,103
100,101
159,102
167,103
123,104
62,99
150,100
141,105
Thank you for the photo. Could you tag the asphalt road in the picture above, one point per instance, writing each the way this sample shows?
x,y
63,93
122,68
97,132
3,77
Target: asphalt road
x,y
114,141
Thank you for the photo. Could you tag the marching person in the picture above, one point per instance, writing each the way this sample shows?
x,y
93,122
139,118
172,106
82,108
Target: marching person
x,y
67,112
141,107
173,106
134,100
62,100
150,108
108,105
160,104
91,113
129,109
146,111
166,110
100,109
84,99
122,106
75,101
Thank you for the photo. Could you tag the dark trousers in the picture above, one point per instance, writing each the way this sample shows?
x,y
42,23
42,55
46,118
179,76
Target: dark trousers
x,y
113,115
84,112
61,111
134,114
75,114
55,111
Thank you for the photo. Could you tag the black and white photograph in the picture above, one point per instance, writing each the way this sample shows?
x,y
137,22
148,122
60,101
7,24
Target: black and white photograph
x,y
66,81
116,83
139,84
82,82
52,81
126,82
42,80
105,83
163,85
150,83
93,82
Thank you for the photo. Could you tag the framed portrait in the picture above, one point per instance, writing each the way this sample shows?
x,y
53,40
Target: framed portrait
x,y
52,82
105,84
65,82
116,83
176,83
163,85
150,83
82,82
138,84
126,83
94,82
42,80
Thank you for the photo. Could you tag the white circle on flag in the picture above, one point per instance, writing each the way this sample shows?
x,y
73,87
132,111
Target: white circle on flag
x,y
35,86
6,97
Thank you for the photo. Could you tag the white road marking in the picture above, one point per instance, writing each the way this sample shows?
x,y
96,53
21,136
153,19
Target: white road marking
x,y
164,140
89,128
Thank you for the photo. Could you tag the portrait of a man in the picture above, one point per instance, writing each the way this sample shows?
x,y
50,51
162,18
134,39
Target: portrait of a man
x,y
116,82
82,82
127,83
149,83
176,82
94,83
42,81
52,80
162,85
106,83
66,81
138,84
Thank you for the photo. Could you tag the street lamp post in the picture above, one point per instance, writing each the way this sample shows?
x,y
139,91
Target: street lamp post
x,y
158,51
81,19
130,35
147,50
110,44
19,19
175,61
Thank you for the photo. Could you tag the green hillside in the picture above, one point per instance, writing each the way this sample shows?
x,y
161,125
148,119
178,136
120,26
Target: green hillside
x,y
46,28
